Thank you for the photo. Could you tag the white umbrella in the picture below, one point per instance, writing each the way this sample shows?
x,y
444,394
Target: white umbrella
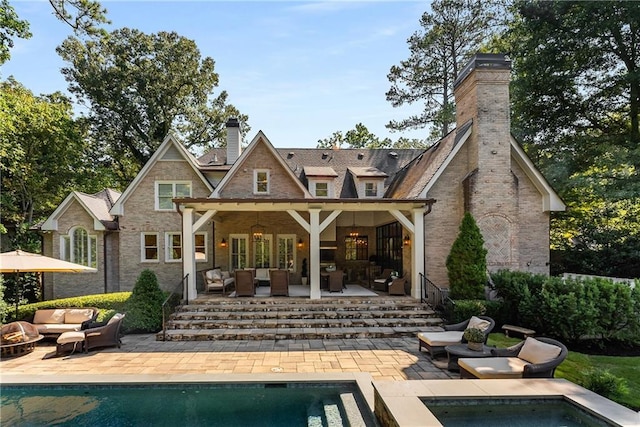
x,y
27,262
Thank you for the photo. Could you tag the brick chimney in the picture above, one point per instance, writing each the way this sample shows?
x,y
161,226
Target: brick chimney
x,y
234,140
482,95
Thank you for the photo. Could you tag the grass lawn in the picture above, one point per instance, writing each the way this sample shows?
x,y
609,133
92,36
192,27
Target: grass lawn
x,y
576,364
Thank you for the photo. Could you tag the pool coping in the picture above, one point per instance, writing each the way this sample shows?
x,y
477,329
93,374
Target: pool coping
x,y
399,403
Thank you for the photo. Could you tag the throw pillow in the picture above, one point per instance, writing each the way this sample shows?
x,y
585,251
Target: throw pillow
x,y
534,351
478,323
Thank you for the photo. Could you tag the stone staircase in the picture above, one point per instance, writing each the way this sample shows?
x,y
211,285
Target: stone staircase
x,y
299,318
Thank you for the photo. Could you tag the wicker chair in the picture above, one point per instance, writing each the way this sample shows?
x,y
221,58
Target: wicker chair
x,y
104,336
396,287
279,282
531,358
336,280
245,283
380,283
435,342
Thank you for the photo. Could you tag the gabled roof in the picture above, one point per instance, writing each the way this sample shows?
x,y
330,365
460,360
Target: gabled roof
x,y
259,139
169,143
367,172
97,206
327,172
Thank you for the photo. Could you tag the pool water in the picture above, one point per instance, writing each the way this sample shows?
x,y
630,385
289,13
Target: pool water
x,y
511,413
173,404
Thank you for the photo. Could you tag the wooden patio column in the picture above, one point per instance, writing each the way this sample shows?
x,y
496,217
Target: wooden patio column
x,y
314,253
188,253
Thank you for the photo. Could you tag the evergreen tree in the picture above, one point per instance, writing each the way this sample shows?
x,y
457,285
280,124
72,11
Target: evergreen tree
x,y
144,308
467,262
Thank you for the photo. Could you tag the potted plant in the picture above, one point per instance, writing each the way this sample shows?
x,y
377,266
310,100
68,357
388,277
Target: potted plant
x,y
304,271
475,338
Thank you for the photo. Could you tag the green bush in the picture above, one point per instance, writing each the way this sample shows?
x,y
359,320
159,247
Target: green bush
x,y
144,308
114,301
466,263
604,383
461,310
3,305
512,287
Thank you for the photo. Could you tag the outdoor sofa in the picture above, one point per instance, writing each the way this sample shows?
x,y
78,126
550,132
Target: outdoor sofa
x,y
217,280
531,358
55,321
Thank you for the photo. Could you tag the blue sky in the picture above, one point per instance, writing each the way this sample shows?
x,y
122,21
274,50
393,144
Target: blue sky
x,y
301,70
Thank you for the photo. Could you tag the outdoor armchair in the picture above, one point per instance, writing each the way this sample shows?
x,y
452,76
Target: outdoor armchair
x,y
435,342
336,279
104,336
531,358
279,280
380,283
245,283
396,287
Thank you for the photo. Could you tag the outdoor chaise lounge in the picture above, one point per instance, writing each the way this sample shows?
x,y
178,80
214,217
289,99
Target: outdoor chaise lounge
x,y
531,358
279,281
106,335
435,342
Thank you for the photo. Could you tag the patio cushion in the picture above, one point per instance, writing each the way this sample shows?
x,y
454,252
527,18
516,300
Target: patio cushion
x,y
494,367
68,337
78,315
214,275
476,322
441,339
52,315
535,351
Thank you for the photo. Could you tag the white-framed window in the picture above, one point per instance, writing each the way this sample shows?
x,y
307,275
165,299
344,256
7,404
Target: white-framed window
x,y
173,246
322,189
200,244
262,250
286,251
238,251
79,247
261,184
167,190
370,189
149,247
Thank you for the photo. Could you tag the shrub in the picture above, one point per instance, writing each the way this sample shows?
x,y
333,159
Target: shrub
x,y
3,304
466,263
512,288
462,310
144,308
114,301
604,383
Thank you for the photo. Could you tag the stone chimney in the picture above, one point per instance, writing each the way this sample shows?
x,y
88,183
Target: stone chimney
x,y
234,140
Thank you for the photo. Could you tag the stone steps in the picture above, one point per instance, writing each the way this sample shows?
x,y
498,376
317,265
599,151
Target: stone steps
x,y
298,318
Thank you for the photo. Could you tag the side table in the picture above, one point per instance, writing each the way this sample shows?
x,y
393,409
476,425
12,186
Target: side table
x,y
457,351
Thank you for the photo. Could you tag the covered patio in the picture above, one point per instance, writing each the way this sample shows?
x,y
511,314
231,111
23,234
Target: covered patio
x,y
302,227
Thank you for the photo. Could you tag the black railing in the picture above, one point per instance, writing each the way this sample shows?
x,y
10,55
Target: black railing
x,y
175,297
432,294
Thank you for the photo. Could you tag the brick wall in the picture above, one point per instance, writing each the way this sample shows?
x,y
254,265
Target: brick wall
x,y
140,216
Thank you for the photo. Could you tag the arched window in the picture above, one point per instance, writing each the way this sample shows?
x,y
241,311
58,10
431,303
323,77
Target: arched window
x,y
79,247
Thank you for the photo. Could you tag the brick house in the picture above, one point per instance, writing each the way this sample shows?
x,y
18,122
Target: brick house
x,y
355,208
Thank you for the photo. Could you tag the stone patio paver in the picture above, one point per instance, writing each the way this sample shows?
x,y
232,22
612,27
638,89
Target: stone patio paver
x,y
383,359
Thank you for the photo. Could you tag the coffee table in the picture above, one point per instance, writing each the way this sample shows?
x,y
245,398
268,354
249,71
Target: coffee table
x,y
458,351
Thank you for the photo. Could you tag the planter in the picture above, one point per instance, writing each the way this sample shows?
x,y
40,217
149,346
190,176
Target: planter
x,y
475,346
304,281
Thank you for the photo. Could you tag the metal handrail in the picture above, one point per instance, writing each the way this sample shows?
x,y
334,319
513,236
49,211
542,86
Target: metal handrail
x,y
173,297
432,294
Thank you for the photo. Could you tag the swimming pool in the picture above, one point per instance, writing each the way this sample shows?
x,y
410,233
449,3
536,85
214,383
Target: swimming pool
x,y
511,413
193,404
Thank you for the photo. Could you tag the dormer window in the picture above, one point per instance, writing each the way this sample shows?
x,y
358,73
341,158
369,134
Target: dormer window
x,y
369,181
370,189
261,181
322,189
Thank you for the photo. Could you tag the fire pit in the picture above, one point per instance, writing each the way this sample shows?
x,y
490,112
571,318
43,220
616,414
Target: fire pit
x,y
18,338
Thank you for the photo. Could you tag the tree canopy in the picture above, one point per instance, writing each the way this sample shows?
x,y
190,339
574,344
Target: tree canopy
x,y
576,101
361,137
43,153
139,87
451,33
10,26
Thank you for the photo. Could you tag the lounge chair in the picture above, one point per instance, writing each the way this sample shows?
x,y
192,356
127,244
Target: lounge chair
x,y
380,283
396,287
104,336
531,358
279,280
245,283
435,342
336,280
